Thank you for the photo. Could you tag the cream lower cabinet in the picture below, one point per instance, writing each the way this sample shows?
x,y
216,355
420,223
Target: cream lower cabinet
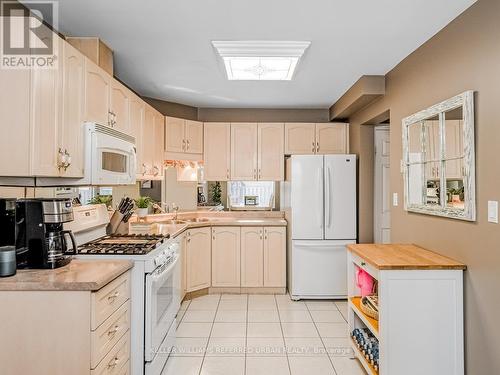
x,y
320,138
252,256
217,151
198,258
226,256
274,256
263,257
64,332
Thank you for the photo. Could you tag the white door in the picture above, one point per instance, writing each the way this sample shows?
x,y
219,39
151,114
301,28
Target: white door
x,y
382,210
319,269
340,197
307,197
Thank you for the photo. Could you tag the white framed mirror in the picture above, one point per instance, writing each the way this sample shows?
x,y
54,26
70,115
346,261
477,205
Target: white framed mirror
x,y
439,159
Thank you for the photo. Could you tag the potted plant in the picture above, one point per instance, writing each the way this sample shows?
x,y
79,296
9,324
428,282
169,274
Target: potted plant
x,y
216,193
142,204
102,199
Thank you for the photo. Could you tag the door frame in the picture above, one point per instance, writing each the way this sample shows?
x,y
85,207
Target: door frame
x,y
377,195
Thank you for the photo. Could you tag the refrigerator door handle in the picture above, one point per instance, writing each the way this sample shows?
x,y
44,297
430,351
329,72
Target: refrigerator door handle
x,y
320,194
327,198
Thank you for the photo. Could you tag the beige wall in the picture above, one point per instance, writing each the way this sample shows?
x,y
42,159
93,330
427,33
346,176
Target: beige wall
x,y
262,115
463,56
173,109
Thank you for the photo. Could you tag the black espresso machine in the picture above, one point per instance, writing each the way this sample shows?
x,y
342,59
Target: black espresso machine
x,y
41,241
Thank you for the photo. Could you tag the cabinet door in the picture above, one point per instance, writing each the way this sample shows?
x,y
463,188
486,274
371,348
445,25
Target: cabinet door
x,y
252,256
136,123
225,256
198,258
97,92
14,109
71,129
194,137
331,138
148,149
300,138
275,256
183,260
46,96
216,149
244,151
159,144
175,139
119,107
271,155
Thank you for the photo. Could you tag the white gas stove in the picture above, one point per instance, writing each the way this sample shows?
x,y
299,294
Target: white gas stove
x,y
155,286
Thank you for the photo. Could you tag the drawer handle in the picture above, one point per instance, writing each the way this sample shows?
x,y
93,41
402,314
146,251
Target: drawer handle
x,y
112,331
363,264
113,362
112,297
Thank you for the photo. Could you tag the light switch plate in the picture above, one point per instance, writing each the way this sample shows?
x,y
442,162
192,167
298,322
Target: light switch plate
x,y
493,212
395,199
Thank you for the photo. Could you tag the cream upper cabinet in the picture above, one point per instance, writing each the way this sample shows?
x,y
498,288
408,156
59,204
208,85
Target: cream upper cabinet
x,y
71,134
225,257
274,256
184,136
194,137
136,116
45,120
252,256
175,140
198,259
244,151
300,138
332,138
270,152
158,144
119,107
216,150
97,94
14,109
310,138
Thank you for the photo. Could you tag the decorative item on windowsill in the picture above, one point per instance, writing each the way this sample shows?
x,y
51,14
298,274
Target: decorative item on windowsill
x,y
216,192
142,204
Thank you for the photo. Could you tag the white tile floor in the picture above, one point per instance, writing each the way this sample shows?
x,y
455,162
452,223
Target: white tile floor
x,y
260,335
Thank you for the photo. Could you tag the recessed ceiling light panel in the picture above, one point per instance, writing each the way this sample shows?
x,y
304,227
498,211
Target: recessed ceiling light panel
x,y
260,60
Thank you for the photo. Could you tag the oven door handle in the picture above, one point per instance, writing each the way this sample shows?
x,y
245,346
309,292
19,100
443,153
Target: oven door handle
x,y
159,278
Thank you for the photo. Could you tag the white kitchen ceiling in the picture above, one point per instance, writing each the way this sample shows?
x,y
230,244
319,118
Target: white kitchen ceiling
x,y
163,48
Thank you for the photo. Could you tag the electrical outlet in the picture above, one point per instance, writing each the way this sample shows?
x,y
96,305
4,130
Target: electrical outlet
x,y
395,199
493,212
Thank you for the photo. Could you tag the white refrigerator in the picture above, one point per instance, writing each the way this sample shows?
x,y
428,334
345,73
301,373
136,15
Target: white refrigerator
x,y
322,199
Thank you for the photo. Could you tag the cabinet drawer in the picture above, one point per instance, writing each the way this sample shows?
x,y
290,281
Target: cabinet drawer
x,y
115,360
108,299
365,265
109,332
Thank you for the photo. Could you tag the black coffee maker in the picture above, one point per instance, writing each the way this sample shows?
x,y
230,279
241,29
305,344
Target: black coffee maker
x,y
41,241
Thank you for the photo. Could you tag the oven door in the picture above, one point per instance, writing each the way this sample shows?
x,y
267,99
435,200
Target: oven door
x,y
162,303
113,160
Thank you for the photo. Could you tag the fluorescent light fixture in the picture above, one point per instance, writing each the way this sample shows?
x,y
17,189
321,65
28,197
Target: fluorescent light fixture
x,y
260,60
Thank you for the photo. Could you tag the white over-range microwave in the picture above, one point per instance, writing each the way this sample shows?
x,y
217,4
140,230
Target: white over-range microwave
x,y
109,159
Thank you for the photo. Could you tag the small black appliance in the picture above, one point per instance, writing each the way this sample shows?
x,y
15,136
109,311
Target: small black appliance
x,y
41,241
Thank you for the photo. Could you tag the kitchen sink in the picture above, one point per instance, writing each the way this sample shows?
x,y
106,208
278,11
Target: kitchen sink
x,y
171,222
198,220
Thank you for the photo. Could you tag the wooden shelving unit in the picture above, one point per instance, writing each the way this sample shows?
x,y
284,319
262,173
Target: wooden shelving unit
x,y
368,367
433,326
371,324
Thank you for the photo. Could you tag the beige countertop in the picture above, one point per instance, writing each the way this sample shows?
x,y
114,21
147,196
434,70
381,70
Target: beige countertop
x,y
79,275
403,257
157,224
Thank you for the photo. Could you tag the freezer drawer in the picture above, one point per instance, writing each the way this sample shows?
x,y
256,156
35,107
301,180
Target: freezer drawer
x,y
319,269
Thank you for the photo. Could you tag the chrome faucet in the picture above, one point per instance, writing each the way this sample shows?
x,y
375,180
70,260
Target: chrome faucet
x,y
175,208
